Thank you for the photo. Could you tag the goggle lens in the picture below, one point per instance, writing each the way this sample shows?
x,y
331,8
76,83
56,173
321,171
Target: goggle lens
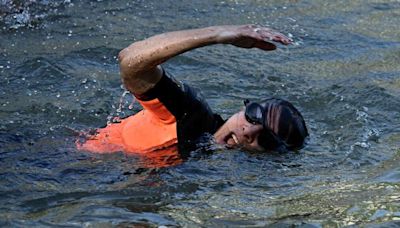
x,y
254,114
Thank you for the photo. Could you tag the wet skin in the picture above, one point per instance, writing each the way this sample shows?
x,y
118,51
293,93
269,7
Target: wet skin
x,y
237,132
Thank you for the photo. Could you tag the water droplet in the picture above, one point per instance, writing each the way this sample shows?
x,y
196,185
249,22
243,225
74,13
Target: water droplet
x,y
297,43
362,144
361,115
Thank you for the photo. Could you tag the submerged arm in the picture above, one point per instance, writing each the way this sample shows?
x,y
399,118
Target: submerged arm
x,y
139,62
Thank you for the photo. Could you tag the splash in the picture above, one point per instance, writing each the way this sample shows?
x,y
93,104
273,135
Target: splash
x,y
126,101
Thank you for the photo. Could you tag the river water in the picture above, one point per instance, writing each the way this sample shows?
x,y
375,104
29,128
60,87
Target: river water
x,y
59,77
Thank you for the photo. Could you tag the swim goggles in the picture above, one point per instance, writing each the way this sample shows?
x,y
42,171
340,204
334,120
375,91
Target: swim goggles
x,y
255,114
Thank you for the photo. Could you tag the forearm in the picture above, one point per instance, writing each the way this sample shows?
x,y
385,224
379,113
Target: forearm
x,y
157,49
139,61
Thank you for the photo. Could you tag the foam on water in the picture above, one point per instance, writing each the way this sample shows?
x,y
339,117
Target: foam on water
x,y
16,14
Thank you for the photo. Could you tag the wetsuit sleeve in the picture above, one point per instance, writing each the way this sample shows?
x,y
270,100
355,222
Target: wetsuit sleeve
x,y
170,93
191,111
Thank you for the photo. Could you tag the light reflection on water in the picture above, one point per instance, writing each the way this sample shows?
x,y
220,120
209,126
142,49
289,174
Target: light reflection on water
x,y
59,75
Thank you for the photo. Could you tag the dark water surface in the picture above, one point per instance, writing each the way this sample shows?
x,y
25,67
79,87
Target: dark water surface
x,y
59,75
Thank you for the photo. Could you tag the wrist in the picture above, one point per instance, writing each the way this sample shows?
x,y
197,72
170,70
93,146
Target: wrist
x,y
213,33
225,34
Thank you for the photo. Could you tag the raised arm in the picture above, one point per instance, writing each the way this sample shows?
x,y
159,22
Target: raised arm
x,y
139,62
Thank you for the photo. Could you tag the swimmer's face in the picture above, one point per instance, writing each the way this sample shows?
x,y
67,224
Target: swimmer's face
x,y
237,132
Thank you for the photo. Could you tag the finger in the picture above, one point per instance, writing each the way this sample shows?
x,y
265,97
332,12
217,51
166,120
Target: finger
x,y
282,39
274,36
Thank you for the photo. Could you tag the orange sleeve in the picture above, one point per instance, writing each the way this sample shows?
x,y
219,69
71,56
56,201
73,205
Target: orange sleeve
x,y
158,110
151,129
106,140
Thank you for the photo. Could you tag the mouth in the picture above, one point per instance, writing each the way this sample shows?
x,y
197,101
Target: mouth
x,y
231,140
235,139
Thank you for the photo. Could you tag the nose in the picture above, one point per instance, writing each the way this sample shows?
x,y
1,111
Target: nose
x,y
249,134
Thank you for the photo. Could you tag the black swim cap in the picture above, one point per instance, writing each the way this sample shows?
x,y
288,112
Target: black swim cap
x,y
286,122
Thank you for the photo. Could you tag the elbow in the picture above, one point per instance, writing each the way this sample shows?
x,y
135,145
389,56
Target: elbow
x,y
123,64
124,58
122,54
127,63
125,67
130,60
131,69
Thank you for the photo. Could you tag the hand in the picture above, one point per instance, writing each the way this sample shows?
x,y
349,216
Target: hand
x,y
251,36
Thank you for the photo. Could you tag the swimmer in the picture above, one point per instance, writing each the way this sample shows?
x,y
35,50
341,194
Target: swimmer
x,y
175,115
